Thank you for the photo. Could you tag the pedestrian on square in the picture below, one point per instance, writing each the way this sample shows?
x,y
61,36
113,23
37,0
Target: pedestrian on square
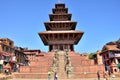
x,y
98,75
55,76
18,67
1,65
110,75
49,75
105,75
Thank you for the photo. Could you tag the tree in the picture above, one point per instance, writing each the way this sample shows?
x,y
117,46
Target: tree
x,y
91,55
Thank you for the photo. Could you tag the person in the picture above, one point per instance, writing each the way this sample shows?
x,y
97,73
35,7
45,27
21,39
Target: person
x,y
55,76
110,75
1,65
14,68
49,75
98,75
105,75
18,67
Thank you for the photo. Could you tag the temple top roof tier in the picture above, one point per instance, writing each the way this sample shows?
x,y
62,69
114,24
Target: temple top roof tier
x,y
61,5
60,13
60,9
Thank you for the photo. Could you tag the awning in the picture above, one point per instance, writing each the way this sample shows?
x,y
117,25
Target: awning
x,y
118,65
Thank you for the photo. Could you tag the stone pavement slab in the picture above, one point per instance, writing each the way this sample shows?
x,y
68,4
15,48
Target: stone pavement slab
x,y
68,79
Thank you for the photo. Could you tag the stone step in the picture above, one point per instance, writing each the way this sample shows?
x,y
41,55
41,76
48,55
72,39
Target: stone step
x,y
31,75
62,73
37,69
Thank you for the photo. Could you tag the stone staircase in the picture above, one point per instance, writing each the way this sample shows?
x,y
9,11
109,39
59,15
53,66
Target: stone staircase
x,y
61,72
39,69
68,65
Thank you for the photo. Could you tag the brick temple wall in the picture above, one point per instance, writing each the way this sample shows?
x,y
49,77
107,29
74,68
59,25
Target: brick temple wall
x,y
84,67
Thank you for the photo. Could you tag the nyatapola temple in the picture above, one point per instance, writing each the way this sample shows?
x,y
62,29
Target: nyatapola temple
x,y
60,36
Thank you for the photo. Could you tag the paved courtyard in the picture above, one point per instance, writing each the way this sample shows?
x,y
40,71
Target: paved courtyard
x,y
69,79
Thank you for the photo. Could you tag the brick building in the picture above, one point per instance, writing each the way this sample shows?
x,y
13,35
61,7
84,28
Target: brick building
x,y
111,56
98,57
10,55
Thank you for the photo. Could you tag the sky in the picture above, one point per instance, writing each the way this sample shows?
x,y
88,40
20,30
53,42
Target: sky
x,y
21,20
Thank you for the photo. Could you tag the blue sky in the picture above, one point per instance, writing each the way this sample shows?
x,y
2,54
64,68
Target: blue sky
x,y
21,20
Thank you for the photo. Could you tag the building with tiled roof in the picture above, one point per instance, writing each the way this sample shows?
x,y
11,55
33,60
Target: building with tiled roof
x,y
9,54
111,56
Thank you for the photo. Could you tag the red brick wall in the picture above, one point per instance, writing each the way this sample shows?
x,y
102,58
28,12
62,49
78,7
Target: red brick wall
x,y
87,71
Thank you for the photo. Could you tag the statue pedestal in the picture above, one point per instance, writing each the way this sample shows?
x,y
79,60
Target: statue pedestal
x,y
70,75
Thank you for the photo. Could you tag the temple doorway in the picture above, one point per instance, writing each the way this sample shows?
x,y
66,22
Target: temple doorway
x,y
61,47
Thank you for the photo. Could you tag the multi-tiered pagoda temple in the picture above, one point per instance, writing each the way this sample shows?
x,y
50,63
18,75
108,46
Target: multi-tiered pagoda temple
x,y
60,31
60,35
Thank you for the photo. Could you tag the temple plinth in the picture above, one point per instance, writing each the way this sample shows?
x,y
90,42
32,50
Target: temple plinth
x,y
60,31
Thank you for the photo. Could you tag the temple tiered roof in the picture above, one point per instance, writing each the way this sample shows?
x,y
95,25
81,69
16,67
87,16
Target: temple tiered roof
x,y
61,33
